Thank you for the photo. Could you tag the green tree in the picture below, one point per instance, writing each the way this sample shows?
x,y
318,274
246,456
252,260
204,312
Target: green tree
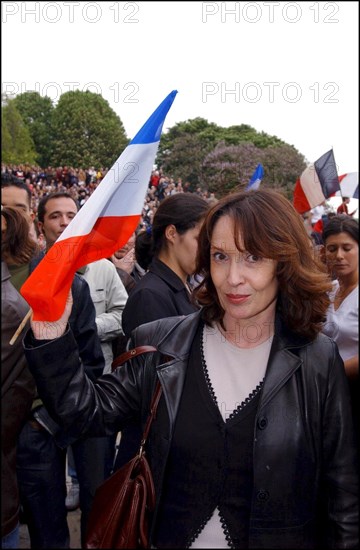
x,y
17,147
87,132
185,145
185,159
192,150
283,165
183,148
244,133
37,112
198,126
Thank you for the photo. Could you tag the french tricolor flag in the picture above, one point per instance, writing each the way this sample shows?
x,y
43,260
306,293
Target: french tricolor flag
x,y
103,225
318,182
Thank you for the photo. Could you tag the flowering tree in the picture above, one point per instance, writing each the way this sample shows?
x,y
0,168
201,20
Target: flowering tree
x,y
229,168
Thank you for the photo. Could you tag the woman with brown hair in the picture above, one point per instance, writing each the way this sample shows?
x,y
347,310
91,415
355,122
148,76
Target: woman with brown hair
x,y
17,384
252,445
17,245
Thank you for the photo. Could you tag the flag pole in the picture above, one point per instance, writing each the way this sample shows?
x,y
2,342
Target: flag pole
x,y
20,327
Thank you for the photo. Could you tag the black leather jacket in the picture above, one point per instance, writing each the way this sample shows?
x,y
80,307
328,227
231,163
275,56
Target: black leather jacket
x,y
160,293
304,450
83,324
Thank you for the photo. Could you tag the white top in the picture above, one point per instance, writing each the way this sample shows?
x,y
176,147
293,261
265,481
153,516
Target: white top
x,y
234,374
109,297
342,325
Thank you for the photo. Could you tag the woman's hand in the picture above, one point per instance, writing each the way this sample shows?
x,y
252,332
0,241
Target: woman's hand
x,y
49,330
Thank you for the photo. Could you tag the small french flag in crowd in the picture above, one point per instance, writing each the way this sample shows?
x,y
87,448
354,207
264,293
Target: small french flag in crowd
x,y
256,178
103,225
318,182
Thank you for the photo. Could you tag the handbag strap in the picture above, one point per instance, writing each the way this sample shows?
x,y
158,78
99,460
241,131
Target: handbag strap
x,y
157,394
150,418
130,355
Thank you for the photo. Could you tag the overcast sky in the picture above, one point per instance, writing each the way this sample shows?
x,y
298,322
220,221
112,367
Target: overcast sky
x,y
289,69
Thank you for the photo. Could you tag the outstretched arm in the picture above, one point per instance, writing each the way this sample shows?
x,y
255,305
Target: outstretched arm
x,y
78,405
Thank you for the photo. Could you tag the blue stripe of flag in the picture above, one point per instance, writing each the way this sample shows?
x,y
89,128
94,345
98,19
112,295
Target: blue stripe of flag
x,y
256,178
151,131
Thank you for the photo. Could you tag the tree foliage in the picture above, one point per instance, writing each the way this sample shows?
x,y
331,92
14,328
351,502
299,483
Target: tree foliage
x,y
223,159
185,158
17,147
282,166
87,132
36,112
230,167
83,131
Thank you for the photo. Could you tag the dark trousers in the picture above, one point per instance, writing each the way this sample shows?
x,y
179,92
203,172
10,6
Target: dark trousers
x,y
42,483
42,486
90,464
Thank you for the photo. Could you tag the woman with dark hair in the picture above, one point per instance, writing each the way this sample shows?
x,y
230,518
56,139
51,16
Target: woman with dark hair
x,y
253,443
341,249
172,244
143,248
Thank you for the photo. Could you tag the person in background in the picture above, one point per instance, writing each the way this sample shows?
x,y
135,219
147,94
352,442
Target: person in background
x,y
253,444
212,198
109,297
164,290
169,250
314,236
343,207
17,194
143,248
143,257
17,383
341,250
41,464
126,264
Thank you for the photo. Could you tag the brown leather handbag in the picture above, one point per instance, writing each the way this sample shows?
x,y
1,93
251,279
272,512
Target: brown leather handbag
x,y
119,516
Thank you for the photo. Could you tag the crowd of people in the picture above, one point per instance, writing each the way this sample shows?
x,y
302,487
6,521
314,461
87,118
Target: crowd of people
x,y
81,183
253,310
